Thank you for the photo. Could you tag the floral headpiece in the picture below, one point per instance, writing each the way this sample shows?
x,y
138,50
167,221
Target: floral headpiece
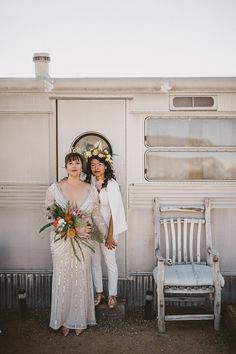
x,y
97,150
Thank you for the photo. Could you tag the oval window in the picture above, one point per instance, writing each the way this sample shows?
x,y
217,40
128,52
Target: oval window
x,y
86,141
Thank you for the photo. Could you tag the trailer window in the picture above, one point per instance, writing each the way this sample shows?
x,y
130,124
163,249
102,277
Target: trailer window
x,y
87,140
190,148
190,131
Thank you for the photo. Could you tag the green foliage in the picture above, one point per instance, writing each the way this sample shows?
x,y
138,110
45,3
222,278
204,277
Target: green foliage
x,y
96,234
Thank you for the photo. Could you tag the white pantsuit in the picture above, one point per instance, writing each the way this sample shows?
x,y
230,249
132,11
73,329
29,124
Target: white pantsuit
x,y
112,270
110,204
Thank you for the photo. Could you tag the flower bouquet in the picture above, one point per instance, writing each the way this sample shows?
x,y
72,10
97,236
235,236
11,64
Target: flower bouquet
x,y
70,223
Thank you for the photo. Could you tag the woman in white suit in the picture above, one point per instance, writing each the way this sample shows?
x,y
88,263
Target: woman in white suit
x,y
100,173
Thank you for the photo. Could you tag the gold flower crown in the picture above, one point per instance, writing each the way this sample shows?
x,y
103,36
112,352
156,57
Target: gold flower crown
x,y
97,150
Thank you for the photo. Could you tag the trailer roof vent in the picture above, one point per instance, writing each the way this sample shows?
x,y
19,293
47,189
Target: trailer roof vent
x,y
192,103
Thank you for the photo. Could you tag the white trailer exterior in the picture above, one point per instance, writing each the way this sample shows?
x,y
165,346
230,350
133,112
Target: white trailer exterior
x,y
173,138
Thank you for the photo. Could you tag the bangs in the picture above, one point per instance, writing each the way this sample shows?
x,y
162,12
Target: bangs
x,y
73,156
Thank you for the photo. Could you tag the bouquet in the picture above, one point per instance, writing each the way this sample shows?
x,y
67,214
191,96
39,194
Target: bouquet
x,y
70,223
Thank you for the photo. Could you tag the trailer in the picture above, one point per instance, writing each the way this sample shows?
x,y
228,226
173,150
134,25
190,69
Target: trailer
x,y
171,138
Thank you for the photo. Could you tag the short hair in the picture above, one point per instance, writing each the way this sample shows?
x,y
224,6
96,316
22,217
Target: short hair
x,y
73,156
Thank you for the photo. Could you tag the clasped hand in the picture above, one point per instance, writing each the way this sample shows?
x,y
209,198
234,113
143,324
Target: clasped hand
x,y
110,243
85,232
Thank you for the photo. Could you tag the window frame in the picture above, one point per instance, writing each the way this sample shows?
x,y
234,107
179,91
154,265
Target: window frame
x,y
89,133
185,148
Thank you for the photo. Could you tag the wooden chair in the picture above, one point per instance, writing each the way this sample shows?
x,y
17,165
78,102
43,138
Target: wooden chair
x,y
186,263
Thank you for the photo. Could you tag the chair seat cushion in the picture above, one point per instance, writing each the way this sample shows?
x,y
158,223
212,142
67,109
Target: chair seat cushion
x,y
188,275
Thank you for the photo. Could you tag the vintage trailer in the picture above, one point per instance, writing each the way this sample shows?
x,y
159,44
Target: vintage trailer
x,y
174,138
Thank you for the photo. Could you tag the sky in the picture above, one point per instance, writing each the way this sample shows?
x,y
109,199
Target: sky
x,y
119,38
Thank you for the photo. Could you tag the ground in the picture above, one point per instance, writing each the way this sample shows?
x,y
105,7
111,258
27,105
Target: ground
x,y
32,335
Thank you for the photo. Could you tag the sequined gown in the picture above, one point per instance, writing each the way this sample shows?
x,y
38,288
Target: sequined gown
x,y
72,303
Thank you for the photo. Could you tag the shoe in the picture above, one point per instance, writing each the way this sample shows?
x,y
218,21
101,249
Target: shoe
x,y
78,331
65,331
112,302
98,298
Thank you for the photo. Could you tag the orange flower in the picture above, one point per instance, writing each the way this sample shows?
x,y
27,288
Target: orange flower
x,y
55,223
71,232
68,217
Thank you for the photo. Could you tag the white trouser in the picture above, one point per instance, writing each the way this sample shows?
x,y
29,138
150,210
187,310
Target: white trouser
x,y
112,271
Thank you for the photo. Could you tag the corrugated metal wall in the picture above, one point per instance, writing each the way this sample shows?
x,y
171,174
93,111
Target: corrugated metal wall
x,y
38,289
37,286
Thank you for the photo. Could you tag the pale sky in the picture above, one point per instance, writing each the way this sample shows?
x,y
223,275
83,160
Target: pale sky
x,y
119,38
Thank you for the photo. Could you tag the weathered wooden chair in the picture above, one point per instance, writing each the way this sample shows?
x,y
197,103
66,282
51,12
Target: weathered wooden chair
x,y
187,266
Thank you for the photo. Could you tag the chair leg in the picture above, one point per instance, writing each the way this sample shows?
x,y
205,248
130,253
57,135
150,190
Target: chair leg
x,y
161,309
217,309
161,314
217,296
161,299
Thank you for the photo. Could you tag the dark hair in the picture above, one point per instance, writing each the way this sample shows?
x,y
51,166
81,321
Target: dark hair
x,y
73,156
109,173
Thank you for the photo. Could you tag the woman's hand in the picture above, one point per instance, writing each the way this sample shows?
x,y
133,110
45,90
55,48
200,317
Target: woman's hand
x,y
84,232
110,243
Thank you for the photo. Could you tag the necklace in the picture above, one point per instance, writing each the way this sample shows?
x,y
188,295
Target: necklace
x,y
99,185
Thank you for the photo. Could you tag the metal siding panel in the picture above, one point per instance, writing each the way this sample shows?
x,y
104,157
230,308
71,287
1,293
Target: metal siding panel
x,y
38,289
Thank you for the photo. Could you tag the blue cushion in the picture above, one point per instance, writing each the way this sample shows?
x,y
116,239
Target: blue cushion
x,y
188,275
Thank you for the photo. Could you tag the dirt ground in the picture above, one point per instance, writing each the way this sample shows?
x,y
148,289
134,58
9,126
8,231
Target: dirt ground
x,y
133,335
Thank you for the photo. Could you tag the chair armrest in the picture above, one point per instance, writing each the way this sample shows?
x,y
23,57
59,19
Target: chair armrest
x,y
160,258
214,254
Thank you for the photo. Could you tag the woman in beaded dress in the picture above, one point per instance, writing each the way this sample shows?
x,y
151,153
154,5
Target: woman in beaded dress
x,y
72,305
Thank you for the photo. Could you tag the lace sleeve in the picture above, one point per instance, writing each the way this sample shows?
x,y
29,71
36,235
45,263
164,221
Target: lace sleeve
x,y
50,196
98,219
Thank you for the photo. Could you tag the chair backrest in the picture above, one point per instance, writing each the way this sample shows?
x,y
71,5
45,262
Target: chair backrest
x,y
183,233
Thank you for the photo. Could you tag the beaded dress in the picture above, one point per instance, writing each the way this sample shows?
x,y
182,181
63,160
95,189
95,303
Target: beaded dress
x,y
72,303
